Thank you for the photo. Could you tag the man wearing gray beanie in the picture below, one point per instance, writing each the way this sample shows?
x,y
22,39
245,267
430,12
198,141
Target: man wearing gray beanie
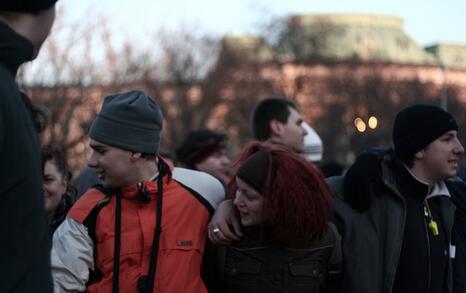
x,y
144,230
25,245
395,212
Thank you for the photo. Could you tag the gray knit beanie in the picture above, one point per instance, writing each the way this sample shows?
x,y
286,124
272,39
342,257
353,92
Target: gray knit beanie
x,y
131,121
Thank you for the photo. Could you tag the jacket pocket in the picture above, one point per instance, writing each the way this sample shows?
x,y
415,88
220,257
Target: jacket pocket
x,y
244,276
179,263
308,277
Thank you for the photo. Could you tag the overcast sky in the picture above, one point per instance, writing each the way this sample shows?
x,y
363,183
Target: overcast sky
x,y
427,21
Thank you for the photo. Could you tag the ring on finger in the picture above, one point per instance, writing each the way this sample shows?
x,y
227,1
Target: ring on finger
x,y
216,230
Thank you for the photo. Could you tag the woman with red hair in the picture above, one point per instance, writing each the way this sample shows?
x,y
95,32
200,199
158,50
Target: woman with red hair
x,y
288,244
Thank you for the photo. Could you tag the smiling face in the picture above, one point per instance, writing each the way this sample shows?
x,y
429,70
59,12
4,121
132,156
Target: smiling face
x,y
249,203
291,133
440,159
112,165
54,186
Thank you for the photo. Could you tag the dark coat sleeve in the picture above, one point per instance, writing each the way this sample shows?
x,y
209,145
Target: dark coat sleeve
x,y
459,238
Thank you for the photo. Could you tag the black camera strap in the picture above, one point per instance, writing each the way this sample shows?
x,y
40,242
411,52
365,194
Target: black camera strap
x,y
156,241
145,283
116,253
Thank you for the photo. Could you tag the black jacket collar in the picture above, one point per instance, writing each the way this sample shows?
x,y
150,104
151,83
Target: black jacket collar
x,y
406,181
14,49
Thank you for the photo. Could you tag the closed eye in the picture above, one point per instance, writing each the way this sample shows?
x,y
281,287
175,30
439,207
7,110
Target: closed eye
x,y
447,138
99,149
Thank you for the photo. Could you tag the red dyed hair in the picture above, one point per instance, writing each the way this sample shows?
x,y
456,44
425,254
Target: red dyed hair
x,y
298,202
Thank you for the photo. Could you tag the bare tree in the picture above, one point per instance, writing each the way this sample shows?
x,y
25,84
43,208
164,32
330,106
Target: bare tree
x,y
200,81
81,65
184,60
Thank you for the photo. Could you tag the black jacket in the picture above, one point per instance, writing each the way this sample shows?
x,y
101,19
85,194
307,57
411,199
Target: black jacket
x,y
459,236
371,214
60,214
257,265
25,241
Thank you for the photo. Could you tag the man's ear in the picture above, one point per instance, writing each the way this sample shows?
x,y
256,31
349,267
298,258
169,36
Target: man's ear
x,y
419,155
275,127
135,157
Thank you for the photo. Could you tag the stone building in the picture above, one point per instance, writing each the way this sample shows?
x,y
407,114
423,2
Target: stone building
x,y
337,67
340,67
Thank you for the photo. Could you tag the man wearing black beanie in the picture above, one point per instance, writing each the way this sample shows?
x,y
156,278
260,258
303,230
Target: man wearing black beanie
x,y
24,249
395,211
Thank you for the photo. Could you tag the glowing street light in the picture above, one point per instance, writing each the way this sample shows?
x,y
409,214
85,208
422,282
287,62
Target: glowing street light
x,y
372,122
359,124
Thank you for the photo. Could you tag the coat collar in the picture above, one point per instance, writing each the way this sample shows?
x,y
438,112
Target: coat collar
x,y
149,187
400,176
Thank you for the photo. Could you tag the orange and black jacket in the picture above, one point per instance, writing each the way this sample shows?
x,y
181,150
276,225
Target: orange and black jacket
x,y
81,263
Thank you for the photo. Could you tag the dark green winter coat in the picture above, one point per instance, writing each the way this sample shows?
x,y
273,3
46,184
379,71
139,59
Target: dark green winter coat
x,y
370,216
24,245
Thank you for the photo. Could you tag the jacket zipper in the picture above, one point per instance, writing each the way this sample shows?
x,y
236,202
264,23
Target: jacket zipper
x,y
428,250
429,224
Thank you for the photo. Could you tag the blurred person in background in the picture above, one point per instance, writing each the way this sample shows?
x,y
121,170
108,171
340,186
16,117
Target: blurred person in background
x,y
59,193
205,150
85,180
313,149
331,168
277,120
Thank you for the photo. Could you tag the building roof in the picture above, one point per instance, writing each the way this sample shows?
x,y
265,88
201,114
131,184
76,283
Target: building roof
x,y
348,36
449,55
365,37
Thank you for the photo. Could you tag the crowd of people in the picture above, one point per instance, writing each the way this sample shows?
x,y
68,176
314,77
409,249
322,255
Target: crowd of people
x,y
136,220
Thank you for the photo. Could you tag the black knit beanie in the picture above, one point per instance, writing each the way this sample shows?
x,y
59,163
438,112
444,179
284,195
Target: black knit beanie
x,y
417,126
130,121
26,5
198,145
253,170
